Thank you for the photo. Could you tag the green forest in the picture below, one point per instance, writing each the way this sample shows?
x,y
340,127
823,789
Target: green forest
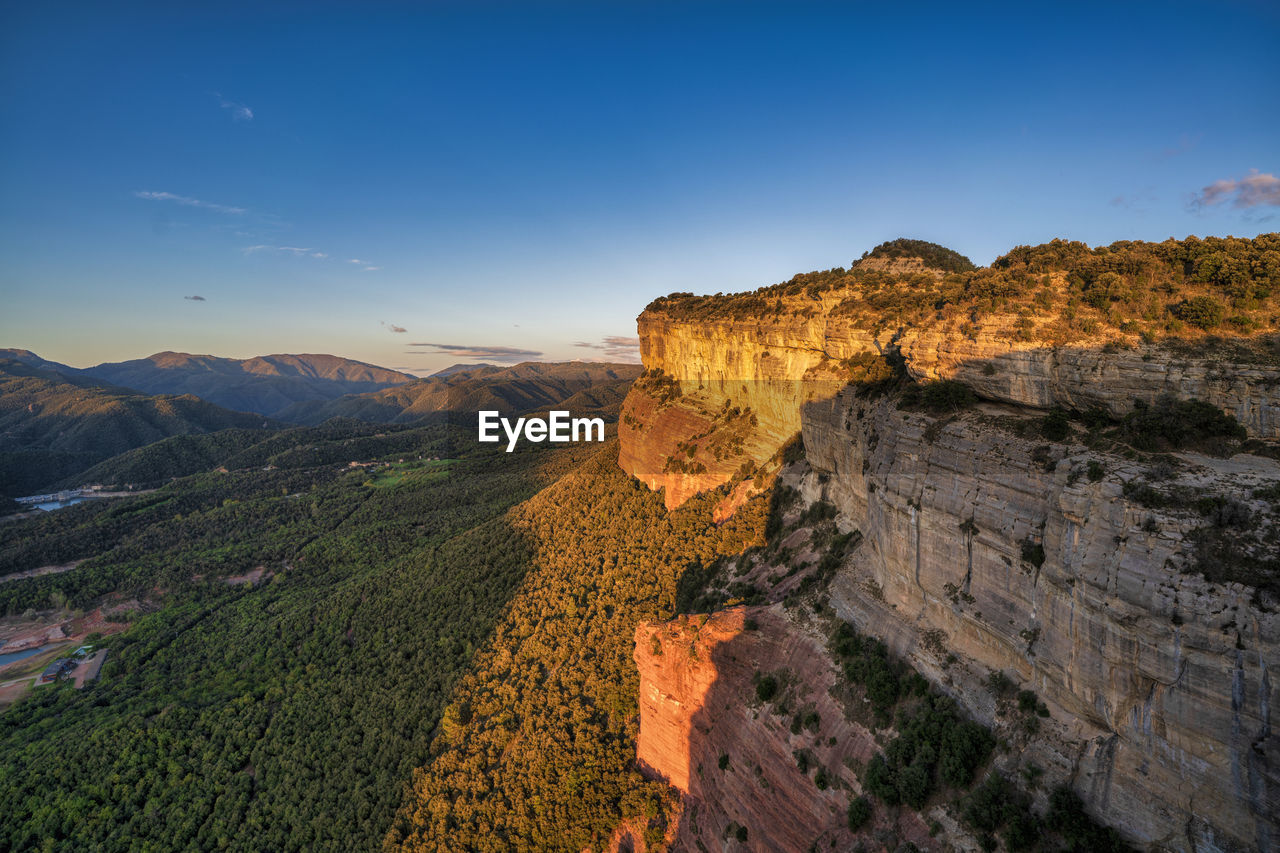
x,y
537,749
415,623
283,716
437,656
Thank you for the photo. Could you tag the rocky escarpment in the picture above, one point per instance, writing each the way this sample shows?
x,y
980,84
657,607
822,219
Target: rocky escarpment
x,y
1135,593
676,431
1102,375
773,366
1029,558
1031,332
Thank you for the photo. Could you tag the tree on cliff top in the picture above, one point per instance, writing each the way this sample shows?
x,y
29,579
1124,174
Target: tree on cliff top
x,y
933,255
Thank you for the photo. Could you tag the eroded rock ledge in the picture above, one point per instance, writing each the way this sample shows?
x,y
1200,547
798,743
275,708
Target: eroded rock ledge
x,y
1078,572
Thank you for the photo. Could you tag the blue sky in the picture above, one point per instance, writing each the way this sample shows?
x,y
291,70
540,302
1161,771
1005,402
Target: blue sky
x,y
529,176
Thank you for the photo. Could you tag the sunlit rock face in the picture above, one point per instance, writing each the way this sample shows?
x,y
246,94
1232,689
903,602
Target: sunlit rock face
x,y
774,362
765,370
732,757
1016,554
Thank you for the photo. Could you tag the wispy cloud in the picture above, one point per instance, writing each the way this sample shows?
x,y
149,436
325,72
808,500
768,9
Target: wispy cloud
x,y
239,112
1257,189
368,265
620,347
392,327
187,201
490,353
196,298
296,251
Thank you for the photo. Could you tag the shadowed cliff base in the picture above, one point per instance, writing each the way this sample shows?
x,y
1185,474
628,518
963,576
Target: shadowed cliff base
x,y
784,729
1096,573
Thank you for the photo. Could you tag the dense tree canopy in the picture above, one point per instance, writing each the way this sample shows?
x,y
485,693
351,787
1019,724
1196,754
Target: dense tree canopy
x,y
285,716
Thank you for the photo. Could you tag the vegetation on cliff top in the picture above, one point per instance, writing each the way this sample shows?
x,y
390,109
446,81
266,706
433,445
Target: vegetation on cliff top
x,y
934,256
1055,292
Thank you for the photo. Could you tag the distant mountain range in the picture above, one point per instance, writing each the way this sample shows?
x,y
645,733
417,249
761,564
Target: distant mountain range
x,y
576,386
53,425
463,368
57,421
264,385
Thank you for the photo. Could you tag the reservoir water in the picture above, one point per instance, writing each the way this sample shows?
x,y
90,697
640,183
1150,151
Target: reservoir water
x,y
10,657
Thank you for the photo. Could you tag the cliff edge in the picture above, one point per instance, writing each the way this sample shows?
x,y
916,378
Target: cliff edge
x,y
1062,473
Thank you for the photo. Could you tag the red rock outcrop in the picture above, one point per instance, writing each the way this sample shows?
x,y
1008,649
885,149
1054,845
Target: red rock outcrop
x,y
704,730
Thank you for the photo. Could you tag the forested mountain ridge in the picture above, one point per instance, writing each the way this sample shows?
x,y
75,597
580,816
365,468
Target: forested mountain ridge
x,y
265,384
53,426
27,357
82,448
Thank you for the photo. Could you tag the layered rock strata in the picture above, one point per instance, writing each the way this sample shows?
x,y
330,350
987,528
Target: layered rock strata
x,y
1008,553
1020,555
775,364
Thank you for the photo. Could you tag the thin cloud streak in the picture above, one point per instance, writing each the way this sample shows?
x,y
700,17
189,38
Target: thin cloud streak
x,y
196,298
187,201
1257,189
392,327
239,112
619,347
492,353
298,252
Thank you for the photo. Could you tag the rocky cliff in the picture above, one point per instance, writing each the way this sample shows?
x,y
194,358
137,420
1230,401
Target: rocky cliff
x,y
1028,558
774,366
1135,592
734,756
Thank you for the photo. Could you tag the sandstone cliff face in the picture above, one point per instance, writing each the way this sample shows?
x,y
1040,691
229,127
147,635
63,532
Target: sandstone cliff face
x,y
775,364
1082,377
1162,678
769,370
704,731
1008,553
